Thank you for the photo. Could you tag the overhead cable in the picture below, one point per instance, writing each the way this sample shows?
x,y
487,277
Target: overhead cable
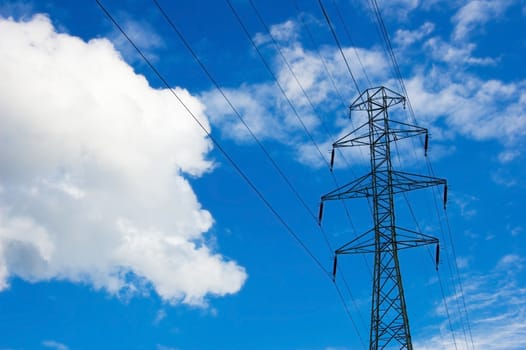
x,y
227,156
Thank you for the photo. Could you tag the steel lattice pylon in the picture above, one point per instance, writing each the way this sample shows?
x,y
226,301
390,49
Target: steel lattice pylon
x,y
389,327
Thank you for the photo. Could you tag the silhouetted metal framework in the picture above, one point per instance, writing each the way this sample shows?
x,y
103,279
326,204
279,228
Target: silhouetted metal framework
x,y
389,322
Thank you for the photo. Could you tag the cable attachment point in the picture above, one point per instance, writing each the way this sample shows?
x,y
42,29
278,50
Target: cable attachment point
x,y
437,256
332,158
320,214
334,267
426,143
445,196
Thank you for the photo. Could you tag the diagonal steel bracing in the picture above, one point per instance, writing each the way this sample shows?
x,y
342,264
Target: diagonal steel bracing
x,y
389,323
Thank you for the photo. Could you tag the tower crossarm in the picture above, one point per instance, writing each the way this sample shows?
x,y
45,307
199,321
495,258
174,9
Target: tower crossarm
x,y
400,130
405,238
401,182
357,137
358,188
378,98
360,135
389,322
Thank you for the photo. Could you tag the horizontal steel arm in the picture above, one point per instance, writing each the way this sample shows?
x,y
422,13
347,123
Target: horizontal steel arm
x,y
376,99
401,182
398,131
405,238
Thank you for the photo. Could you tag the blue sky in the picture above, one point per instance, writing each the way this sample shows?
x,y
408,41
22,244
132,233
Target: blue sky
x,y
123,226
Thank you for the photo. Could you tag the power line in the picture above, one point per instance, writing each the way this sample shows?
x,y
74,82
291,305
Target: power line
x,y
226,155
311,104
195,56
233,108
232,162
328,73
342,298
328,20
297,115
278,48
389,321
322,59
276,80
214,81
289,67
385,35
335,4
278,84
459,281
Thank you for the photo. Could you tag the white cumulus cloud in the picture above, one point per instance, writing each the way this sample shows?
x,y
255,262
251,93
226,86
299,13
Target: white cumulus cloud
x,y
93,186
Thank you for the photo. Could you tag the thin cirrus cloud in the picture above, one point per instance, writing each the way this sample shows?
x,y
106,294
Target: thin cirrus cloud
x,y
303,83
496,307
447,97
473,14
92,184
52,344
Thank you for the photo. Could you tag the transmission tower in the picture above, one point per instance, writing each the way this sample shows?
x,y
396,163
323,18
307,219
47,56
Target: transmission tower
x,y
389,327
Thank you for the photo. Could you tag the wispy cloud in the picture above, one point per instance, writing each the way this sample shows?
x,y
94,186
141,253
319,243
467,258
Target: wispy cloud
x,y
508,155
311,84
164,347
447,97
54,345
496,305
465,204
406,37
142,34
476,13
161,315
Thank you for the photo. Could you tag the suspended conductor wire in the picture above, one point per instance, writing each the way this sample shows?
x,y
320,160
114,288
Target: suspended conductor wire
x,y
419,229
324,63
282,90
217,143
385,35
278,84
327,71
337,91
311,104
299,11
236,112
346,307
353,299
388,48
289,67
454,286
328,20
459,281
446,308
212,79
458,291
458,278
348,33
258,14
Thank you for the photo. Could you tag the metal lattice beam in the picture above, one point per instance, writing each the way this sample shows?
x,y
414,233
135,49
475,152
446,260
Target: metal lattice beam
x,y
389,322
